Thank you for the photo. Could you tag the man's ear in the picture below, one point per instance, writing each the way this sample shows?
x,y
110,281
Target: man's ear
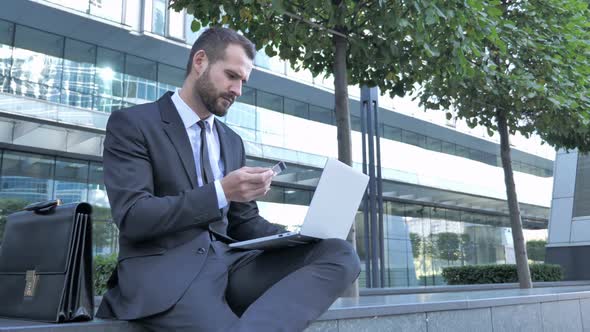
x,y
200,63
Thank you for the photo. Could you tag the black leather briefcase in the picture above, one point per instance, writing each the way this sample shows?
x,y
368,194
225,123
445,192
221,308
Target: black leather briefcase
x,y
46,263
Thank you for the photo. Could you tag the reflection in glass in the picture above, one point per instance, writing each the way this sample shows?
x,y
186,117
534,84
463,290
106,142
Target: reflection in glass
x,y
159,17
26,176
140,80
321,114
37,64
6,32
296,108
169,79
109,79
78,84
71,177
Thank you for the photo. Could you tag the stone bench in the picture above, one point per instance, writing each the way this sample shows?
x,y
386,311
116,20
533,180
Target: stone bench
x,y
546,309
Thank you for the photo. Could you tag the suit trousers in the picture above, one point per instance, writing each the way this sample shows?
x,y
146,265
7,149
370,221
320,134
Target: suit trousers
x,y
278,290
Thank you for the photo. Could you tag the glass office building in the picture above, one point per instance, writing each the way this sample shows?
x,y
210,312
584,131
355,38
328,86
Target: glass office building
x,y
65,65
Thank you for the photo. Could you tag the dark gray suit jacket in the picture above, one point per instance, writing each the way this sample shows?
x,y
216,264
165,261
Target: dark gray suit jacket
x,y
161,213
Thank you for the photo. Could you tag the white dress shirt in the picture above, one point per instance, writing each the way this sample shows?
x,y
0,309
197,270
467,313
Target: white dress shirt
x,y
190,119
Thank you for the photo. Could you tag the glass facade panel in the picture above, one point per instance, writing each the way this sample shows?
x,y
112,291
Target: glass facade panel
x,y
176,24
140,80
321,114
392,133
169,79
296,108
26,177
37,64
71,180
414,139
159,17
269,101
78,84
433,144
110,68
6,34
248,96
190,35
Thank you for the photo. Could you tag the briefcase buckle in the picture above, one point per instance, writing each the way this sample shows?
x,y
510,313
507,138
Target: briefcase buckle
x,y
31,283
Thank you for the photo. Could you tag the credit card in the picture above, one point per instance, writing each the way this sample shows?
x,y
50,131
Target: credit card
x,y
279,167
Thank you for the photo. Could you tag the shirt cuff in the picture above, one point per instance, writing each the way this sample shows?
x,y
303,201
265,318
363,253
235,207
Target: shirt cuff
x,y
221,200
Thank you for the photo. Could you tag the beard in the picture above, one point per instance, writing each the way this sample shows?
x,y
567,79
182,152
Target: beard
x,y
216,102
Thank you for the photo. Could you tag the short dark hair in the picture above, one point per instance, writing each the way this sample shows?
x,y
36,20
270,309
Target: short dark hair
x,y
214,41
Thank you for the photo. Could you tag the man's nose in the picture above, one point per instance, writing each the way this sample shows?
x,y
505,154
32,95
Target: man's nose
x,y
236,89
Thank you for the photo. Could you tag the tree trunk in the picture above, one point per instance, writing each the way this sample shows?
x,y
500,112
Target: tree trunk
x,y
522,263
343,125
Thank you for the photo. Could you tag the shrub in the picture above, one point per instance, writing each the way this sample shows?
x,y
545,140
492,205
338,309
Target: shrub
x,y
495,274
104,265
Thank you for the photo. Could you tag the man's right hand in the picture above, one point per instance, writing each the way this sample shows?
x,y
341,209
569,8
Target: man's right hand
x,y
247,183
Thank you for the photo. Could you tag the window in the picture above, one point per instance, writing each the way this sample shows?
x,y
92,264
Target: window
x,y
176,24
140,80
433,144
296,108
582,190
159,17
71,178
78,84
414,139
248,96
320,114
270,101
6,32
37,64
169,78
392,133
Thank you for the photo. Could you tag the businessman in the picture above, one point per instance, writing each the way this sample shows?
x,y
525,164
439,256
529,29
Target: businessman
x,y
179,193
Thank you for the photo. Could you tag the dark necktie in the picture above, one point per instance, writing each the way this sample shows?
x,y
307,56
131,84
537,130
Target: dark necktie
x,y
206,170
219,228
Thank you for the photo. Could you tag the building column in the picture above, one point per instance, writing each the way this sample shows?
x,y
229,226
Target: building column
x,y
569,236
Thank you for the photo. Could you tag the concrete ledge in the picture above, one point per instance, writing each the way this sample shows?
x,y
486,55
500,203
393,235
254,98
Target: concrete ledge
x,y
383,305
537,309
97,325
463,288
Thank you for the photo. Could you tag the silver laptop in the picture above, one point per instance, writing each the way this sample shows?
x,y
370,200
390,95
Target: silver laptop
x,y
330,214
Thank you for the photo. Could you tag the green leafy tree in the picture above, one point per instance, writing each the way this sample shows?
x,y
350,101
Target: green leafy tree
x,y
377,43
528,73
416,241
536,250
448,246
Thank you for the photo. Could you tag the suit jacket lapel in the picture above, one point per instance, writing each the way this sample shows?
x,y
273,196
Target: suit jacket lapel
x,y
175,130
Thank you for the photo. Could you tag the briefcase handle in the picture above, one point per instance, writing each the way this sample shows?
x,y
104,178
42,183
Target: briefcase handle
x,y
43,207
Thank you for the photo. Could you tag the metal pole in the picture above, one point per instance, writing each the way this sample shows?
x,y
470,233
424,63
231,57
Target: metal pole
x,y
379,189
366,201
375,273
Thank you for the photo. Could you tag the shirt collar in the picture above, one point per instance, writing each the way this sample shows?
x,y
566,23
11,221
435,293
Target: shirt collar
x,y
189,118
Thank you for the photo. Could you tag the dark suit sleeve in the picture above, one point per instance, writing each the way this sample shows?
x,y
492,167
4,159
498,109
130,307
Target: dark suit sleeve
x,y
244,221
128,176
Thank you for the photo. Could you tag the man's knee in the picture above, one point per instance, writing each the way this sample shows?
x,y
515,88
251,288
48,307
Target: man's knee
x,y
343,254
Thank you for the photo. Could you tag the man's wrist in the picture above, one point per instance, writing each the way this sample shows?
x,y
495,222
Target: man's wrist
x,y
221,199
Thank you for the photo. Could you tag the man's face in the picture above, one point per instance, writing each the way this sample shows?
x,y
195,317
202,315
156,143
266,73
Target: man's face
x,y
221,82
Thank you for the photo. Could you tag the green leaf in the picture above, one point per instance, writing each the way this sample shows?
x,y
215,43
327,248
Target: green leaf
x,y
195,25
